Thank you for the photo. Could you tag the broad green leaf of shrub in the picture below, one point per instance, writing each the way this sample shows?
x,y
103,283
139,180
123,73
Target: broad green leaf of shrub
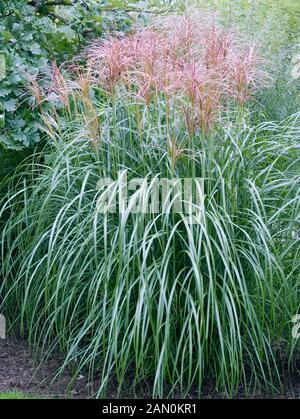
x,y
32,35
10,105
2,67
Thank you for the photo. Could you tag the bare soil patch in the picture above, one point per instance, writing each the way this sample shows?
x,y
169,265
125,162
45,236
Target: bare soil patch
x,y
20,373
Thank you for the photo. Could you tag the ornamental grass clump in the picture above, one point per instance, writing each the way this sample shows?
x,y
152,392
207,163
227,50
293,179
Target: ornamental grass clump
x,y
148,296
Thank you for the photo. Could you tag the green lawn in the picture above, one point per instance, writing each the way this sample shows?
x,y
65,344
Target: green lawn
x,y
14,396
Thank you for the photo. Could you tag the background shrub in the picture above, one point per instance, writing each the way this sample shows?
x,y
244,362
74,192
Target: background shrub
x,y
32,35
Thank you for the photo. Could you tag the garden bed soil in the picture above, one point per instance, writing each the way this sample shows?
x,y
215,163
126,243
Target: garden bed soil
x,y
19,373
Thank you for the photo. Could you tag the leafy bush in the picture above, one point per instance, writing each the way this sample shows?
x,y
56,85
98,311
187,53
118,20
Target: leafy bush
x,y
151,294
32,34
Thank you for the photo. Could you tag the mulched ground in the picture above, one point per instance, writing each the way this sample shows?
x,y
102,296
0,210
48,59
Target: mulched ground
x,y
19,373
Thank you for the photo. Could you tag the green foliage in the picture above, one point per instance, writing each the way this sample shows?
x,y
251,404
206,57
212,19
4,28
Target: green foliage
x,y
14,396
32,35
10,159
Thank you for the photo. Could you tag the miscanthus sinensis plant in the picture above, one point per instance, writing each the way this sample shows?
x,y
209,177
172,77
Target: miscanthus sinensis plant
x,y
149,295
